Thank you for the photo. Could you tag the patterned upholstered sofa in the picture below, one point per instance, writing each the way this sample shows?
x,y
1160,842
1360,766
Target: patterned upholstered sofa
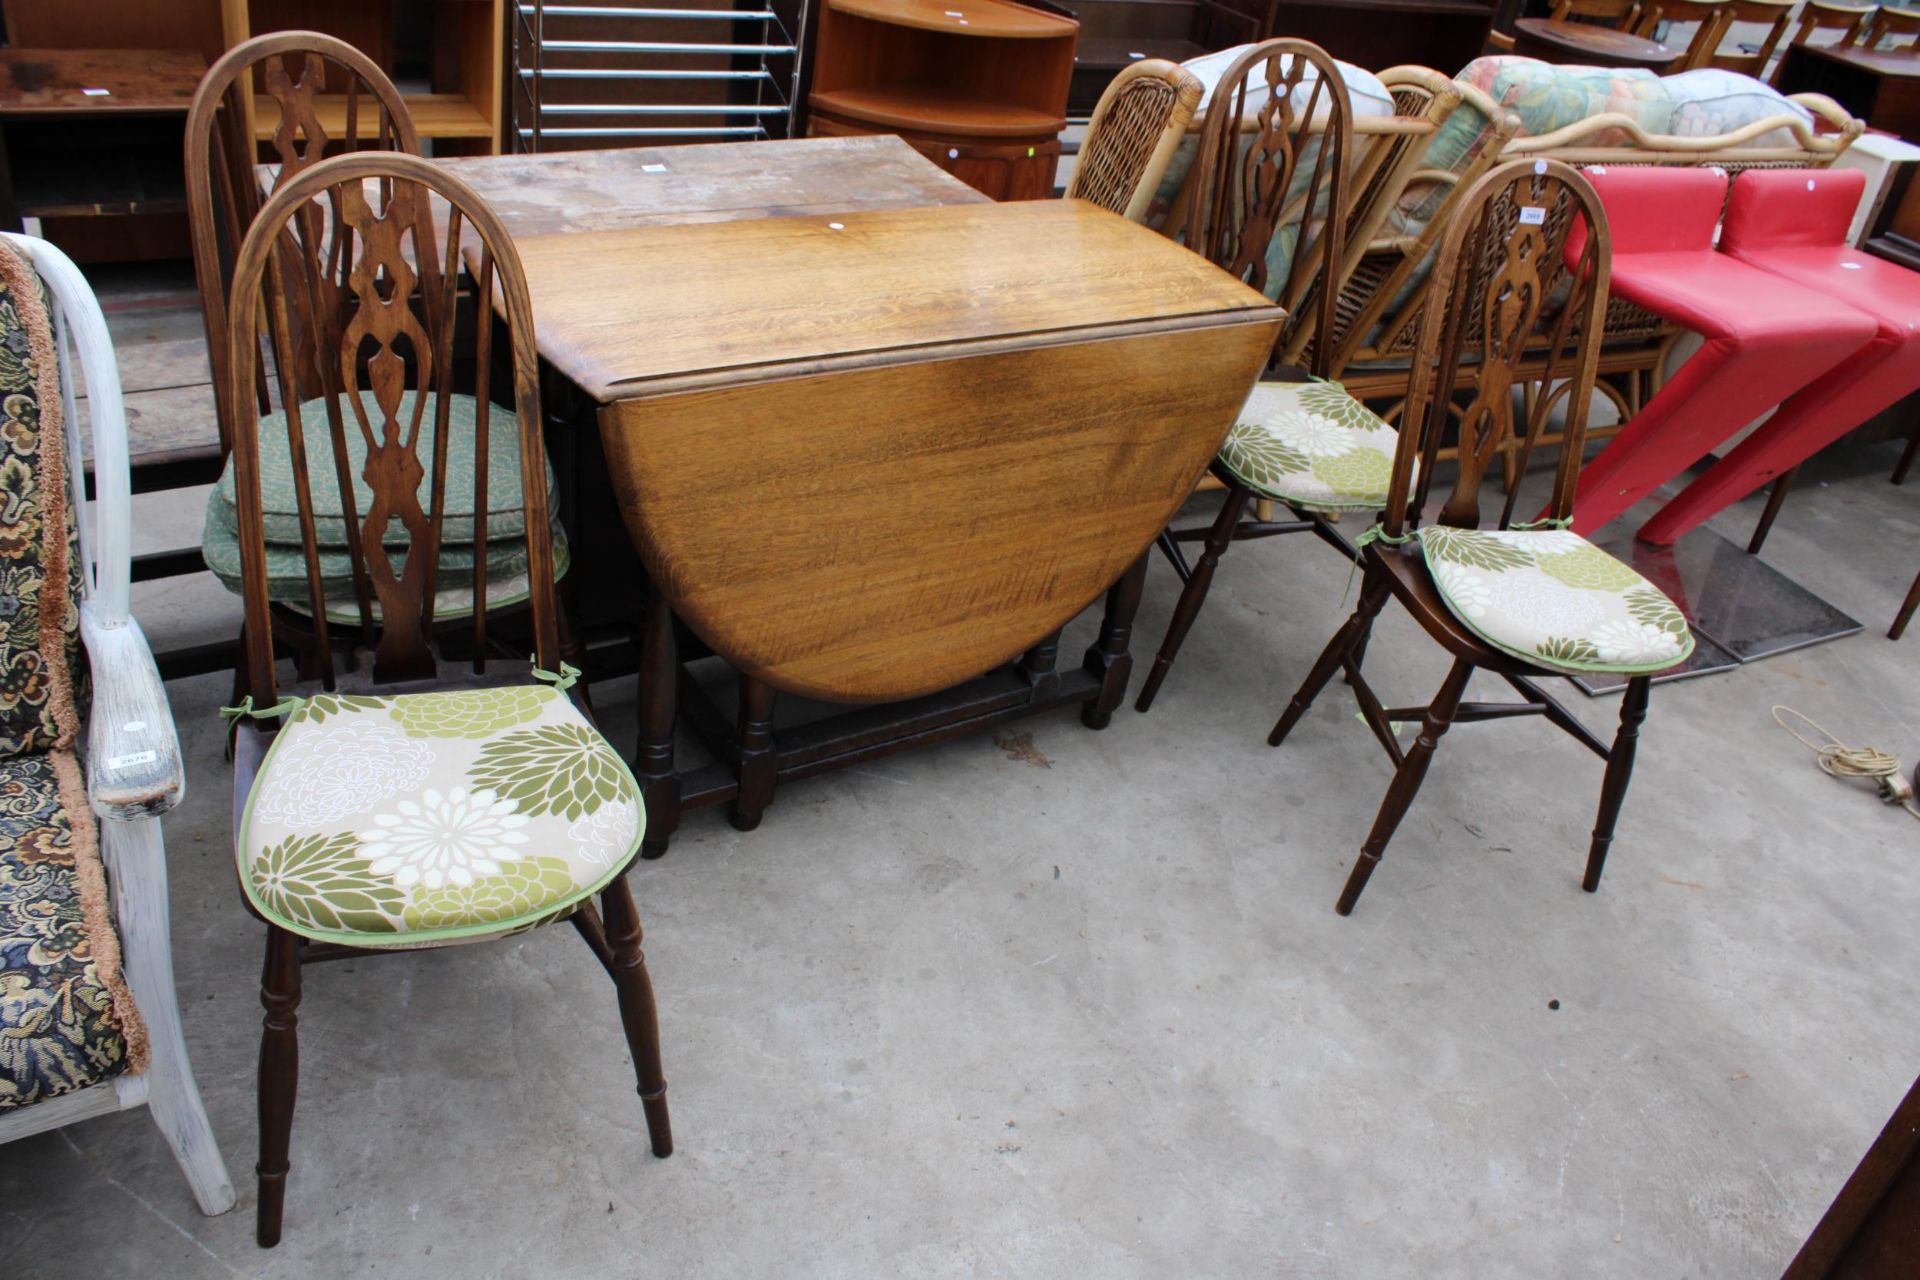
x,y
1517,107
88,1016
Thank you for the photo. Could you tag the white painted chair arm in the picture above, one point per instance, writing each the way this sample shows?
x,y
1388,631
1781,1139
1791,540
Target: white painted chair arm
x,y
133,754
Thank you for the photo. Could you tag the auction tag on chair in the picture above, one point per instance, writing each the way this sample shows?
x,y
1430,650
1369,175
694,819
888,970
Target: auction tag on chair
x,y
97,93
1532,216
128,761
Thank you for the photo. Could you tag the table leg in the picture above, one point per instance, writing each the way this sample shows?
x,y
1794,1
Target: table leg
x,y
758,764
1108,657
9,210
653,765
1039,666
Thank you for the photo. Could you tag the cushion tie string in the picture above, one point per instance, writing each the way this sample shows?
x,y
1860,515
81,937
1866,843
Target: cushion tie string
x,y
1376,534
1547,522
247,711
569,675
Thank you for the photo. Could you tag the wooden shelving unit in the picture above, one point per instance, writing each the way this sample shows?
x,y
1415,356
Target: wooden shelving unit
x,y
977,86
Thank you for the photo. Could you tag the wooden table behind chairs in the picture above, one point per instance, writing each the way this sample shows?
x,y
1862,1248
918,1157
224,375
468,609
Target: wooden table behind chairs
x,y
1881,87
1584,44
876,440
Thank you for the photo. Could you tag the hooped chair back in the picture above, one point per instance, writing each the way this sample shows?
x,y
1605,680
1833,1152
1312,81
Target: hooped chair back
x,y
369,277
292,69
1502,263
1280,165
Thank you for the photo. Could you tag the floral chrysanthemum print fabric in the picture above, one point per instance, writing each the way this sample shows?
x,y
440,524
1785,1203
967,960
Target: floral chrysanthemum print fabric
x,y
1552,597
1313,445
435,817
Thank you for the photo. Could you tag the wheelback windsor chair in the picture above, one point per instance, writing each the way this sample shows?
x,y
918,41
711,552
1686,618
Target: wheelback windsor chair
x,y
1271,180
438,792
1521,601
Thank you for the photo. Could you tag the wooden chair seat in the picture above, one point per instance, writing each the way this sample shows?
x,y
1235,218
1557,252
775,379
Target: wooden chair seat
x,y
1311,445
423,819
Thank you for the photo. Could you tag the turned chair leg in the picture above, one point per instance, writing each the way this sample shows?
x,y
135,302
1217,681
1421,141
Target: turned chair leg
x,y
279,1078
1613,791
638,1014
1194,594
1905,615
1406,782
1351,635
1775,497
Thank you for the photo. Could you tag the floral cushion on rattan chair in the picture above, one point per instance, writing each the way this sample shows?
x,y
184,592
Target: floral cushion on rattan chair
x,y
507,581
1312,445
1552,598
414,819
280,510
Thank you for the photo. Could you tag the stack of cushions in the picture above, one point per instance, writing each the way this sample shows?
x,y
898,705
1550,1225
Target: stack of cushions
x,y
1693,104
286,559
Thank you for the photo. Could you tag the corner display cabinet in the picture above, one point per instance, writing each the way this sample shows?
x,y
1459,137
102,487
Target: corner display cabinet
x,y
977,86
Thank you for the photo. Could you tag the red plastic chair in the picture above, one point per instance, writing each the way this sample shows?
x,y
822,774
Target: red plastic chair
x,y
1793,224
1766,337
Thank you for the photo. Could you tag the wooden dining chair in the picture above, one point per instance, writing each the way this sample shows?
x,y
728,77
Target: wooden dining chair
x,y
1136,127
1271,209
1892,30
1775,15
1816,16
442,790
1519,601
1708,18
303,74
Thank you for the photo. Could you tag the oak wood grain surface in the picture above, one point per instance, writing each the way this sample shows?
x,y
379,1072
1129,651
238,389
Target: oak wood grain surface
x,y
573,191
917,524
649,310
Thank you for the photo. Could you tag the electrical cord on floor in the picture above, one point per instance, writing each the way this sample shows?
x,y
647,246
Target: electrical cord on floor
x,y
1838,760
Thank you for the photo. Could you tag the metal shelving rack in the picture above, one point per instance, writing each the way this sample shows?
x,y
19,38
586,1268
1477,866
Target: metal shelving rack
x,y
607,74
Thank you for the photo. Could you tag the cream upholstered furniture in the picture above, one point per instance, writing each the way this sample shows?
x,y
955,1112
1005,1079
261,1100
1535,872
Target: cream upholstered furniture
x,y
89,1023
1521,602
442,789
1136,127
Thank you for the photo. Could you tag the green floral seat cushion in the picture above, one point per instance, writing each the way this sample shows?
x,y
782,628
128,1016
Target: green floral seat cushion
x,y
61,1028
507,578
417,819
1553,598
506,514
1312,445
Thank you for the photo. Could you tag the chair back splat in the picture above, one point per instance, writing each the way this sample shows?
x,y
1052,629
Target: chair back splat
x,y
355,249
1290,174
292,70
1503,266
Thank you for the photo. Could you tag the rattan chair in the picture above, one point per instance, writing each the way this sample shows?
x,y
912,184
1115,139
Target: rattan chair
x,y
1131,138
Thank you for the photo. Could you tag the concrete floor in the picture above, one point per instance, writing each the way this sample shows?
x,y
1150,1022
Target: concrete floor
x,y
1083,1007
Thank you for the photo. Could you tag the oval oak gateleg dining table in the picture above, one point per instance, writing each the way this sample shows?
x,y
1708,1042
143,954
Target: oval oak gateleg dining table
x,y
874,440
